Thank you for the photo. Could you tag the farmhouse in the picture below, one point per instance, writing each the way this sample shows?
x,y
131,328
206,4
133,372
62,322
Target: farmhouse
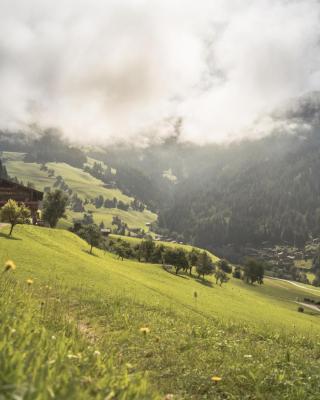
x,y
105,232
30,197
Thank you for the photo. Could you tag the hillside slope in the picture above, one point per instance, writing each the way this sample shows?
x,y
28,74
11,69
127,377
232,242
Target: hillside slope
x,y
252,337
81,183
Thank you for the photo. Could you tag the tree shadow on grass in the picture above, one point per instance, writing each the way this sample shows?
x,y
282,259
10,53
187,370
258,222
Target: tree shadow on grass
x,y
204,282
90,254
6,236
174,274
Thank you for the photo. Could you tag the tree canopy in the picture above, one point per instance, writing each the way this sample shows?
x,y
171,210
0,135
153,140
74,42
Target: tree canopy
x,y
92,234
14,214
253,271
54,207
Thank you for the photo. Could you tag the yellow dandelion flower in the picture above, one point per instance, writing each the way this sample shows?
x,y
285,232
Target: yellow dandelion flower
x,y
29,281
9,266
216,379
144,330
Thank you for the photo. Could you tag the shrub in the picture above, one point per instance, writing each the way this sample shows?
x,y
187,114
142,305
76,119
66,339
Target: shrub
x,y
300,309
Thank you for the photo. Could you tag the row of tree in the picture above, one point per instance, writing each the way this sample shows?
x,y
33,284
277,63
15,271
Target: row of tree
x,y
172,258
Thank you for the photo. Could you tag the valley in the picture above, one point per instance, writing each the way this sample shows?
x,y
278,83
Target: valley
x,y
159,200
127,323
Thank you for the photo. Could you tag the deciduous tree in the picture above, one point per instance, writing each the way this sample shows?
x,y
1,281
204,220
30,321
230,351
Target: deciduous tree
x,y
204,265
14,214
54,207
92,234
253,271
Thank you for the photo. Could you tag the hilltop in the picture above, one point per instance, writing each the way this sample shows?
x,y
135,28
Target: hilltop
x,y
141,331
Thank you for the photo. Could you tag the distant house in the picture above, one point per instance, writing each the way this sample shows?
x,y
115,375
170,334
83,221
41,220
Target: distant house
x,y
32,198
105,232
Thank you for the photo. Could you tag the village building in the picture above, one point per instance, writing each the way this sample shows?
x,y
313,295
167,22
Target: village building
x,y
105,232
32,198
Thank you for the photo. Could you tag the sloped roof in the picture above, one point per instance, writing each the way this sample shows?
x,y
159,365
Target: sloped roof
x,y
15,184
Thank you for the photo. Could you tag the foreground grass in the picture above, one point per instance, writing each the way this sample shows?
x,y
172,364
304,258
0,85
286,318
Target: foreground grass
x,y
43,354
251,337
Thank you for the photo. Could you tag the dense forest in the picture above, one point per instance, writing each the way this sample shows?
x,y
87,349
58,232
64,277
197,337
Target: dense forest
x,y
265,191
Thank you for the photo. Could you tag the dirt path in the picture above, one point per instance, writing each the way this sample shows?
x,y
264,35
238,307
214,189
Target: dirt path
x,y
295,284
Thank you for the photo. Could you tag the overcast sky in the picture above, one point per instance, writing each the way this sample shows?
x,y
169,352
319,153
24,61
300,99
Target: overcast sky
x,y
106,69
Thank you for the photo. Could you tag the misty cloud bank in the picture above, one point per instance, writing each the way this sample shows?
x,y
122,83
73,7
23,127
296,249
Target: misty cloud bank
x,y
99,70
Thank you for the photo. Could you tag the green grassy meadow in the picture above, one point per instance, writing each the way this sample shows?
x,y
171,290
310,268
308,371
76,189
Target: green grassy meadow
x,y
75,331
134,219
82,183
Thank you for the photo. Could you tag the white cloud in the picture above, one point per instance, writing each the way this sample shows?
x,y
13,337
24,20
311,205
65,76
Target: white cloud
x,y
100,69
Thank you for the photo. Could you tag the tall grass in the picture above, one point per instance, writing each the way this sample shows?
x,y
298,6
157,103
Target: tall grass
x,y
94,326
44,354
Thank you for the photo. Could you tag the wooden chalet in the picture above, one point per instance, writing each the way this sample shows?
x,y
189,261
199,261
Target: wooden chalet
x,y
105,232
32,198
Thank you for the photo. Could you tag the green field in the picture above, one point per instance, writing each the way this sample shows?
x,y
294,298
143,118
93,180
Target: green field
x,y
82,183
74,333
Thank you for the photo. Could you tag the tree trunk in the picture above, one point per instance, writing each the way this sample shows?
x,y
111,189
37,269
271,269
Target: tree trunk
x,y
11,229
91,249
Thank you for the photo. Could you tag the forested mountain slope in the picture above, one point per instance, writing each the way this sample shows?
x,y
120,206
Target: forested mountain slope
x,y
257,191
